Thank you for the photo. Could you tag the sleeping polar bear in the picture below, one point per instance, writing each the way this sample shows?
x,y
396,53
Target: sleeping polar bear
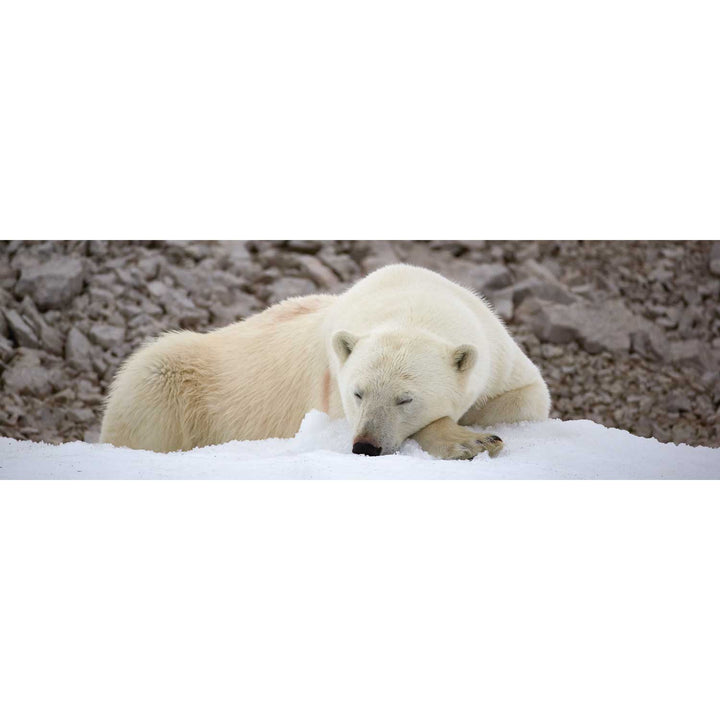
x,y
404,353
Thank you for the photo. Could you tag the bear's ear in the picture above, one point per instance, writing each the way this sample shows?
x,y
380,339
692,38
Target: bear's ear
x,y
343,343
464,357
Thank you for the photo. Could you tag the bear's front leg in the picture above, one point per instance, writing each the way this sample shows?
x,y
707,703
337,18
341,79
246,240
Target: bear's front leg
x,y
445,439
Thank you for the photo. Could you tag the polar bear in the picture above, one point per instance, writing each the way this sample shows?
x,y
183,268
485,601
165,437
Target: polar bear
x,y
404,353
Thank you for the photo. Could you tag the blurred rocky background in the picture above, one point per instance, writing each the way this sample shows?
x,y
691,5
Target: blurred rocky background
x,y
626,333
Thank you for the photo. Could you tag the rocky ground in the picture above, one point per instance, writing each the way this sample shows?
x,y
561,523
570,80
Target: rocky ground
x,y
626,333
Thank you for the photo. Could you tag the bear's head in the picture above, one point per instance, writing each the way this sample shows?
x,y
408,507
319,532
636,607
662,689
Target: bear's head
x,y
393,384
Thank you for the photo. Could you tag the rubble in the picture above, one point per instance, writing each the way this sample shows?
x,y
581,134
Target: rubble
x,y
714,260
51,284
78,351
625,333
107,336
26,375
20,330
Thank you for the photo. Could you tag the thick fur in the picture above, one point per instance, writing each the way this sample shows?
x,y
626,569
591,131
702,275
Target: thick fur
x,y
416,347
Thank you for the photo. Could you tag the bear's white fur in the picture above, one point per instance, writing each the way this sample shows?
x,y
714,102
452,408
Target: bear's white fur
x,y
403,353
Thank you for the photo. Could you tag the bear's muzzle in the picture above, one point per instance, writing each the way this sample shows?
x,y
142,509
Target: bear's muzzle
x,y
362,447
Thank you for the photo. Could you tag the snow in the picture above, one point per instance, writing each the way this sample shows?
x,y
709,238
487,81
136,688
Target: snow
x,y
322,450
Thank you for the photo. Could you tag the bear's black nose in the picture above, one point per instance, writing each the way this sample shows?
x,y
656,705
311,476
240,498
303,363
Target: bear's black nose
x,y
366,448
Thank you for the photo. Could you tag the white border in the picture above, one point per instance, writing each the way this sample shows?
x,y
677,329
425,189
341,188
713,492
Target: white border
x,y
359,599
390,120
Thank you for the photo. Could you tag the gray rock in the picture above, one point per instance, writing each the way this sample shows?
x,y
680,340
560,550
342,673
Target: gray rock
x,y
80,415
288,287
543,290
191,317
64,395
715,258
101,296
107,336
182,310
523,317
488,277
587,290
241,307
144,322
92,435
643,427
655,311
678,401
219,279
709,289
157,289
99,363
710,378
31,314
52,284
318,272
659,275
456,249
380,253
25,375
343,265
51,338
129,310
104,280
8,275
502,302
555,324
185,278
223,315
6,349
606,284
78,350
533,269
20,330
151,308
198,249
98,248
691,353
129,277
673,253
550,352
219,295
689,317
31,254
304,246
419,254
238,254
149,267
682,434
650,342
109,374
670,319
596,328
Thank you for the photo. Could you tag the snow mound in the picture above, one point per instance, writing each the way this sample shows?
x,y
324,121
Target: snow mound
x,y
322,450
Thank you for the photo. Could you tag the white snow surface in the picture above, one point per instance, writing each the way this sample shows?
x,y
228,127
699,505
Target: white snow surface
x,y
553,449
